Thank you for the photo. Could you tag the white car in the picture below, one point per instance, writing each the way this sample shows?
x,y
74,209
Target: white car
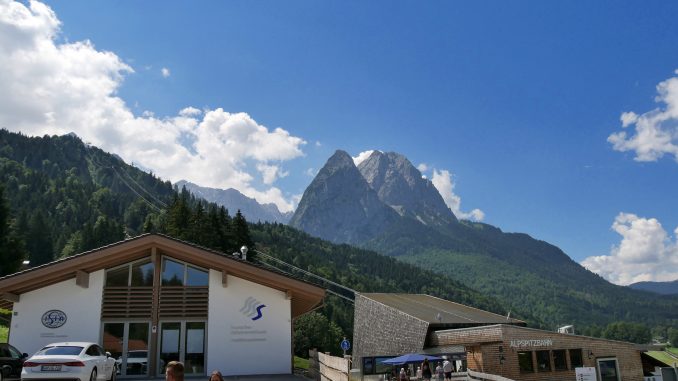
x,y
72,361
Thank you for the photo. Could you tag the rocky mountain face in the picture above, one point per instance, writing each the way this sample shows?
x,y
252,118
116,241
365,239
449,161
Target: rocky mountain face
x,y
386,206
233,200
340,206
401,186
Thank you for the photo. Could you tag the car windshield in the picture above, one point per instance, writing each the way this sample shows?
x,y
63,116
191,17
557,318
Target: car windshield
x,y
60,351
136,355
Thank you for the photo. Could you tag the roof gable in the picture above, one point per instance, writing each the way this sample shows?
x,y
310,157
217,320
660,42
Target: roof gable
x,y
305,296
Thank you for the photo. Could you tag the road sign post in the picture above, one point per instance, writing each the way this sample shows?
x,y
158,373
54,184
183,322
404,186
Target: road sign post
x,y
345,345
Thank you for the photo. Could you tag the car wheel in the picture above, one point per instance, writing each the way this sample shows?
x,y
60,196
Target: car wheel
x,y
93,377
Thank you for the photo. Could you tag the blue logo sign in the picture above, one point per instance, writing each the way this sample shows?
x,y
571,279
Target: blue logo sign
x,y
252,308
53,319
345,345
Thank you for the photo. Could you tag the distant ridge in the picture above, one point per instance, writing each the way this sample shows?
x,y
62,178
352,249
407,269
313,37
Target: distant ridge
x,y
662,288
233,200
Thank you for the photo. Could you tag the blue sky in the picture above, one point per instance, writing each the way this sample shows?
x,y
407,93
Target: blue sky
x,y
516,100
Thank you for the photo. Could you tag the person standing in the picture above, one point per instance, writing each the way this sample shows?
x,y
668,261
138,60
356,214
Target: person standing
x,y
426,370
447,368
439,372
216,376
403,375
174,371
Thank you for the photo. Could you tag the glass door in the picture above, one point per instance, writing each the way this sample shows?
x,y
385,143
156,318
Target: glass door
x,y
195,348
608,370
128,344
170,340
183,341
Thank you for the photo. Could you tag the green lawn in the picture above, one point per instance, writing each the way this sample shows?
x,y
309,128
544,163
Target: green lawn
x,y
300,363
673,350
3,334
663,357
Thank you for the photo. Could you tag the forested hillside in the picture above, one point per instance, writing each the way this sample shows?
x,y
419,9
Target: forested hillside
x,y
63,197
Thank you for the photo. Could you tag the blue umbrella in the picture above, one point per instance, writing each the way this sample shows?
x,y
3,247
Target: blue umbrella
x,y
408,358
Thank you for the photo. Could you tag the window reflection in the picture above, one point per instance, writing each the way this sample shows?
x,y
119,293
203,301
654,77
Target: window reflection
x,y
172,273
142,274
195,277
117,277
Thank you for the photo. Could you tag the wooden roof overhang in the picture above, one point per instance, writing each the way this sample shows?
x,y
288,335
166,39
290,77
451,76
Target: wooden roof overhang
x,y
304,296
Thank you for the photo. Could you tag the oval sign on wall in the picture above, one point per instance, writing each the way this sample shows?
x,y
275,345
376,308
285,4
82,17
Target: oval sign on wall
x,y
54,318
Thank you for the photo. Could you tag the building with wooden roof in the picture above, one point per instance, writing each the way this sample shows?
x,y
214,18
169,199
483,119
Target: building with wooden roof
x,y
153,299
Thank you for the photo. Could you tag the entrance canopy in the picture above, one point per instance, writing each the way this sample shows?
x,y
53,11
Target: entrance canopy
x,y
409,358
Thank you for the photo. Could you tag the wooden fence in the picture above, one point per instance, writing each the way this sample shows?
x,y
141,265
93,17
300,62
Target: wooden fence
x,y
323,367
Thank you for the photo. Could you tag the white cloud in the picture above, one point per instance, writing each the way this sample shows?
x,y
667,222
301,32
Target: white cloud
x,y
311,172
656,131
57,88
645,253
362,157
442,180
271,173
165,72
422,167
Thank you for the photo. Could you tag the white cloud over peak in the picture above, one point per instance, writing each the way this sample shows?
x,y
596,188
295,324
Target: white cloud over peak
x,y
57,88
362,157
655,132
645,253
422,167
165,72
443,181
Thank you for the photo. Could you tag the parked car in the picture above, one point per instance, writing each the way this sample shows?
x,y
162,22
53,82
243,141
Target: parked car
x,y
137,362
73,361
11,362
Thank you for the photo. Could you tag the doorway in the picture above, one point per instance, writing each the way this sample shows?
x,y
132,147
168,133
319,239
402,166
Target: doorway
x,y
182,341
608,369
128,343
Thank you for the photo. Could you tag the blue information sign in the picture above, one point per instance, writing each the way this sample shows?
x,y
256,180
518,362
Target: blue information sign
x,y
345,345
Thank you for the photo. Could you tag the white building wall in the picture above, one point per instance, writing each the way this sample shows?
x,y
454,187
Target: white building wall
x,y
82,307
238,345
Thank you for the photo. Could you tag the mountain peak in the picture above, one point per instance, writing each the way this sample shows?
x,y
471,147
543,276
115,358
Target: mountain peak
x,y
339,205
401,186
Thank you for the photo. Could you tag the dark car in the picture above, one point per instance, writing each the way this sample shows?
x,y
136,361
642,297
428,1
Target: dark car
x,y
11,362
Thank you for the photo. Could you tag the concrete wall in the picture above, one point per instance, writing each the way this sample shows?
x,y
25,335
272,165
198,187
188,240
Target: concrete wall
x,y
379,330
483,351
82,307
236,344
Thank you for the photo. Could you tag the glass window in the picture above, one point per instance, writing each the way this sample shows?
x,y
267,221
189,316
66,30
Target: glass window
x,y
172,273
142,274
194,347
195,277
368,365
608,369
4,351
118,277
381,368
14,352
543,361
525,362
559,360
59,351
576,359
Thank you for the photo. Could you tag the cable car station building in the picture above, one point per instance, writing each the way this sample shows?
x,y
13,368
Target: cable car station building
x,y
389,325
153,299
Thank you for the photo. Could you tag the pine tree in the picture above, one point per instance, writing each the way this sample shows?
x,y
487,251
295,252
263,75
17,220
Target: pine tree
x,y
241,233
12,251
39,240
